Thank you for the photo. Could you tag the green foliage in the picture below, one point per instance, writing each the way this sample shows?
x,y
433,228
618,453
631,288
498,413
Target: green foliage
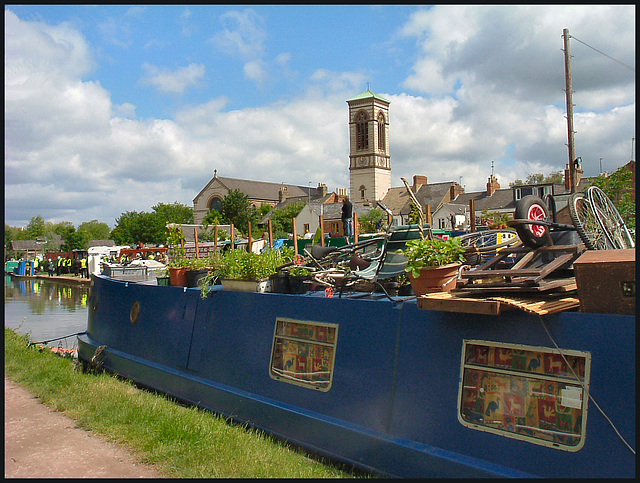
x,y
414,215
237,210
36,227
282,218
74,240
432,253
244,265
496,219
299,271
214,217
132,227
94,230
369,220
556,177
175,240
619,188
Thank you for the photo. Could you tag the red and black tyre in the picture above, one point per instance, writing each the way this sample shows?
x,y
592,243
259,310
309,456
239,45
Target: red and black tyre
x,y
532,235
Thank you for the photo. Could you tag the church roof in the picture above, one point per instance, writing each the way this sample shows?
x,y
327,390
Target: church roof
x,y
367,95
261,190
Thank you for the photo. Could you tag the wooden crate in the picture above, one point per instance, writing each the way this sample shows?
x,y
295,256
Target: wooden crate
x,y
606,281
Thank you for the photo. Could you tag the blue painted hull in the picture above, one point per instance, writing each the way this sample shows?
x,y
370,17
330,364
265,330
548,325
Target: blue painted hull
x,y
393,403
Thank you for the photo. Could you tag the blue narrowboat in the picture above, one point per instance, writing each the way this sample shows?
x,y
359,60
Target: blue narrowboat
x,y
385,385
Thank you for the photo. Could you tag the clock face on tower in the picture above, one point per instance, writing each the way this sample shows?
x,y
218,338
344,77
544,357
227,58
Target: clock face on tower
x,y
363,161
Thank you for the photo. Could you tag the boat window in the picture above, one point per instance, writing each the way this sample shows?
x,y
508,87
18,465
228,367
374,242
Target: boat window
x,y
535,394
303,353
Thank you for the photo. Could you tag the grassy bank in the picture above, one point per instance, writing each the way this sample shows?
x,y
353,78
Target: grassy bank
x,y
181,442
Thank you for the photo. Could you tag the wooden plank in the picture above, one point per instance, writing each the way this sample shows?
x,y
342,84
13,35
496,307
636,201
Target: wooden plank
x,y
447,303
560,285
541,307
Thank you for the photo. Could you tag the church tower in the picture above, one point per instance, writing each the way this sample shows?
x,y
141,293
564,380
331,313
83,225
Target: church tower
x,y
369,159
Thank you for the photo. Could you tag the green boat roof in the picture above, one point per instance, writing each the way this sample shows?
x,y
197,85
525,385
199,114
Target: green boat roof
x,y
366,95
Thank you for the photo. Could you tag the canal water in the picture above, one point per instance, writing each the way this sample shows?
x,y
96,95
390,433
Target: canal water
x,y
46,310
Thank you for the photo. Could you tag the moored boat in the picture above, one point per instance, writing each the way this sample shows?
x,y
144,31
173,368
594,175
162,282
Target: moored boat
x,y
385,385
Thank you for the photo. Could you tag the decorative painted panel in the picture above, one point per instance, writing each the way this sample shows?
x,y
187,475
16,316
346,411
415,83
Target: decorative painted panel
x,y
303,353
537,394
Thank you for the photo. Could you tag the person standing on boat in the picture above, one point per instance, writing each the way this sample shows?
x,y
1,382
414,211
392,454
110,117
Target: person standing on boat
x,y
347,218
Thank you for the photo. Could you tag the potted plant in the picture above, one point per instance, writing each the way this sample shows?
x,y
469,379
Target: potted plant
x,y
162,276
432,264
298,276
245,271
179,263
197,270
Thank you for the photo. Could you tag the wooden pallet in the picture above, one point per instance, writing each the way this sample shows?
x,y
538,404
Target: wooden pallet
x,y
464,303
536,271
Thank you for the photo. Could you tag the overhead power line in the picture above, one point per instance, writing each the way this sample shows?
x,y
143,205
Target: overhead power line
x,y
615,60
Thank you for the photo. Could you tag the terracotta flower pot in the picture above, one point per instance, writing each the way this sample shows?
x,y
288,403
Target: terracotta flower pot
x,y
178,277
436,279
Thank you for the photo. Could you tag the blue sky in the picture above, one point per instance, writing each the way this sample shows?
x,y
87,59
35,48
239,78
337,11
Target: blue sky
x,y
116,108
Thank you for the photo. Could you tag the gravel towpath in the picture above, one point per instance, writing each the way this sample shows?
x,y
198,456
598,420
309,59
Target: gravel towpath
x,y
42,443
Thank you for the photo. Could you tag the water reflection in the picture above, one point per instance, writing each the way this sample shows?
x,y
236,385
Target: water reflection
x,y
43,308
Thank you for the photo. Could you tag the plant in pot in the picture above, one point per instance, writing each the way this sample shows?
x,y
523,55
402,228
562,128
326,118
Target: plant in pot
x,y
197,270
162,276
433,264
297,278
178,264
245,271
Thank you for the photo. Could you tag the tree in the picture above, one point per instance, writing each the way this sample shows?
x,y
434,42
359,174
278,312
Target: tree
x,y
620,190
132,227
73,240
94,230
369,220
237,210
555,177
35,228
282,218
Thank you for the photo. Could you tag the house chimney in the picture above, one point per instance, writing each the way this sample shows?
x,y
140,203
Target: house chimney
x,y
492,185
282,194
322,190
419,180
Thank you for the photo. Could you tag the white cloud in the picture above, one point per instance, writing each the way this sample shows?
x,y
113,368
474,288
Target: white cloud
x,y
486,85
243,34
176,81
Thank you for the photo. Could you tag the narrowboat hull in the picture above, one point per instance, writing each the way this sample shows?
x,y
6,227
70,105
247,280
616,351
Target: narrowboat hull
x,y
398,400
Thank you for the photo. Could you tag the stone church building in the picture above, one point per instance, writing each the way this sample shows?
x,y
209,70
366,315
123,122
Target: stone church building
x,y
369,166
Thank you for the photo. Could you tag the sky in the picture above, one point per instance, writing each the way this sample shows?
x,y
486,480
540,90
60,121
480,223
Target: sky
x,y
114,108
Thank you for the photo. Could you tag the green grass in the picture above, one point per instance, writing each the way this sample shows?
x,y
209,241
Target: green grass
x,y
180,441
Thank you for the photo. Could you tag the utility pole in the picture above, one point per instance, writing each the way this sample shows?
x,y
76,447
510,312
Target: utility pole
x,y
569,95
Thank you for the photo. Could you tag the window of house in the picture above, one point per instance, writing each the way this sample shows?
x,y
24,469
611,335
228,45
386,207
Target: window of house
x,y
303,353
381,132
530,393
362,131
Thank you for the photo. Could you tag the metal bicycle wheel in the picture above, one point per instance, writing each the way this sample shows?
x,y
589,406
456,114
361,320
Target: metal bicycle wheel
x,y
485,244
584,219
609,219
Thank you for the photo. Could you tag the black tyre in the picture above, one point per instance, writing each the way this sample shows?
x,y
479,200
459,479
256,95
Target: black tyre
x,y
584,219
532,235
